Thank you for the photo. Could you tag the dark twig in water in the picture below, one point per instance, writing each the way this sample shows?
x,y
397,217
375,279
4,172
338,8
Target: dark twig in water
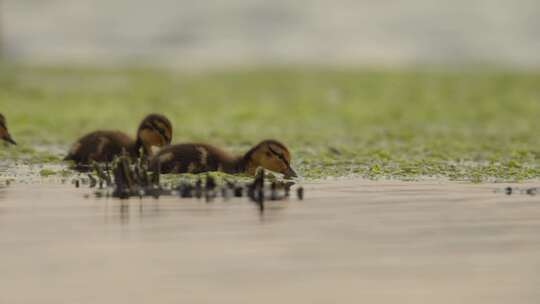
x,y
209,189
300,193
102,175
198,188
273,193
93,180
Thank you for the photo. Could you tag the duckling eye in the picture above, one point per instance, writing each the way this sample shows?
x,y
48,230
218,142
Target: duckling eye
x,y
268,154
160,130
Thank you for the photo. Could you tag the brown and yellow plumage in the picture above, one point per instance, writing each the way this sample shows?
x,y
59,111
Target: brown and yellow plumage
x,y
104,146
4,133
199,157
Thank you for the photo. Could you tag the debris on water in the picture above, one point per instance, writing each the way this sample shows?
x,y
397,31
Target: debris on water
x,y
209,189
273,193
93,180
125,179
210,184
300,193
238,191
260,199
186,190
532,191
287,192
157,173
102,176
230,185
198,188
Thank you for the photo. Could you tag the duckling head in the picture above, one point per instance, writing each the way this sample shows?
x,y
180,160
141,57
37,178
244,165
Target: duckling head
x,y
4,133
155,130
272,155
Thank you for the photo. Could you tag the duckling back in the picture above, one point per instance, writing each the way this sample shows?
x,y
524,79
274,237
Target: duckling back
x,y
4,133
104,146
100,146
192,158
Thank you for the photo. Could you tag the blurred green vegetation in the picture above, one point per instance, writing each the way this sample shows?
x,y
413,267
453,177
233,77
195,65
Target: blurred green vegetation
x,y
474,125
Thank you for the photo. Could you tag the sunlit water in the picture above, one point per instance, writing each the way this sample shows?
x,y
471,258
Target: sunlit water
x,y
347,242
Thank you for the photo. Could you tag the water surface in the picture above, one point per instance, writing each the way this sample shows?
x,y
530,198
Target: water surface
x,y
349,241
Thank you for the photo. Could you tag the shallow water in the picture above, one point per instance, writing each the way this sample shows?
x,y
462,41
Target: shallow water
x,y
349,241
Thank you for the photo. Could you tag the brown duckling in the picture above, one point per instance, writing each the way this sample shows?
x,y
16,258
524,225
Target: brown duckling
x,y
198,157
104,146
4,133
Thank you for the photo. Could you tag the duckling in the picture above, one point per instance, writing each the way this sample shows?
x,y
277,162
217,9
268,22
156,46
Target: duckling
x,y
4,133
104,146
198,157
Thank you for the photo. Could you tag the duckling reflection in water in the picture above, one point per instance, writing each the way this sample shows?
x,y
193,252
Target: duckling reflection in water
x,y
104,146
4,133
199,157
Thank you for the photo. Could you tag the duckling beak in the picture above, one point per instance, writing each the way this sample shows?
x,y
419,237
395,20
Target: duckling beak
x,y
9,139
290,173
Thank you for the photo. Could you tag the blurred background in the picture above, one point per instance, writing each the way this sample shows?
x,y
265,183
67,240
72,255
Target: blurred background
x,y
375,88
238,32
432,90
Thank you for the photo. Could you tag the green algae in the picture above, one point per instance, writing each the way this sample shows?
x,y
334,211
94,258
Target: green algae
x,y
474,125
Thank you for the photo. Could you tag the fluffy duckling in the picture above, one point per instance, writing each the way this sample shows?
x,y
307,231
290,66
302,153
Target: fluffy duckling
x,y
104,146
197,158
4,133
